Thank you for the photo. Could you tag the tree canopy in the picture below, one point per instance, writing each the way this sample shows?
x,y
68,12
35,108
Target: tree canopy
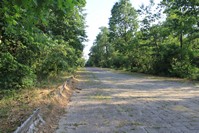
x,y
39,39
145,44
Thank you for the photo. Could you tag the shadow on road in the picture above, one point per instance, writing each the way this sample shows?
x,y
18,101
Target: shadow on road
x,y
115,102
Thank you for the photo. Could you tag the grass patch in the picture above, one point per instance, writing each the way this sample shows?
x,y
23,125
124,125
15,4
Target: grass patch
x,y
100,97
136,124
180,108
17,105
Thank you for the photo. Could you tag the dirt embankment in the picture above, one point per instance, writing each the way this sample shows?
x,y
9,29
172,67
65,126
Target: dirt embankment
x,y
59,99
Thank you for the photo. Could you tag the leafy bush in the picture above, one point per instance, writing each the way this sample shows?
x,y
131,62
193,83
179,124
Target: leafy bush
x,y
14,74
162,63
39,39
183,69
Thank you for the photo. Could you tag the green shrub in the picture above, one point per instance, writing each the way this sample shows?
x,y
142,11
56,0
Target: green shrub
x,y
182,69
14,74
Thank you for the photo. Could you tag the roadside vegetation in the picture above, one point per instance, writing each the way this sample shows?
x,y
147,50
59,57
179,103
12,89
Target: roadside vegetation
x,y
40,41
163,40
17,105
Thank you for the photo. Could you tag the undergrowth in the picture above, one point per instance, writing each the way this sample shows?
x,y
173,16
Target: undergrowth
x,y
17,105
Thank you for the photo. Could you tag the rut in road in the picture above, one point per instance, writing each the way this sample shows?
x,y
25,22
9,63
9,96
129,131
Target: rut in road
x,y
113,102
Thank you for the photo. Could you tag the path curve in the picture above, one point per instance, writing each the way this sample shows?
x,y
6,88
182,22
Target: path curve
x,y
113,102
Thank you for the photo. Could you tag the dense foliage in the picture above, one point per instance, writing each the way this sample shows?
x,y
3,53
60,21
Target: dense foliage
x,y
148,43
38,39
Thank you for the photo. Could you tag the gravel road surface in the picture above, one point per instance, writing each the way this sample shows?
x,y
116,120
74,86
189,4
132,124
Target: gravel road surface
x,y
115,102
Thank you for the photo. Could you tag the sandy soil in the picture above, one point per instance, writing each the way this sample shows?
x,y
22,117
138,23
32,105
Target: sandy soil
x,y
114,102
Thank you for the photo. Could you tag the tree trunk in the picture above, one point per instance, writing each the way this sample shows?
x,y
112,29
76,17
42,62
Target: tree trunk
x,y
181,40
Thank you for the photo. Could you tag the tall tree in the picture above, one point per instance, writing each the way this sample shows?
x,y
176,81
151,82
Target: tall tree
x,y
38,38
163,47
100,52
182,16
123,26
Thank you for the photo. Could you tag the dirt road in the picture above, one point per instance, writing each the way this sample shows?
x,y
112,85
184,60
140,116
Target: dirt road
x,y
113,102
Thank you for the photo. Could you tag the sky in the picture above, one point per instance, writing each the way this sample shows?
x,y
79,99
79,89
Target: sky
x,y
98,14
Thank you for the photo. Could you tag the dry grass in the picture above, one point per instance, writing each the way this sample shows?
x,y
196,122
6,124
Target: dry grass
x,y
17,106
